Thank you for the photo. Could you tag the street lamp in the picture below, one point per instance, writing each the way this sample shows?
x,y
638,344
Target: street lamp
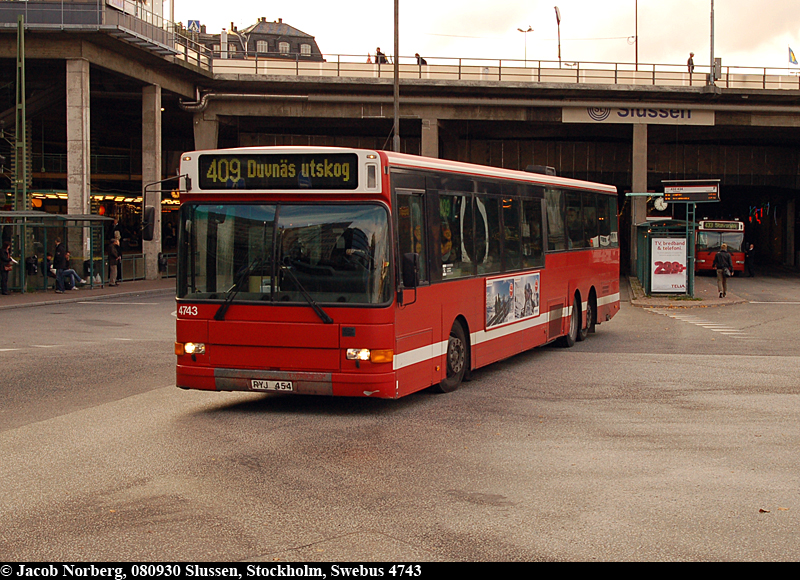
x,y
558,22
714,72
526,41
244,40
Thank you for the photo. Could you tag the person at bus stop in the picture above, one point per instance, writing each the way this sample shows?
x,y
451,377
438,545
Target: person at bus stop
x,y
114,260
749,257
60,264
6,264
117,236
71,276
724,266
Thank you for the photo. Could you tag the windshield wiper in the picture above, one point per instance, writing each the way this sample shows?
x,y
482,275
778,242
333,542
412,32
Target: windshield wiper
x,y
316,307
237,285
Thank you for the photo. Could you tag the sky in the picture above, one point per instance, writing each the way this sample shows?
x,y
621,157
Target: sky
x,y
746,33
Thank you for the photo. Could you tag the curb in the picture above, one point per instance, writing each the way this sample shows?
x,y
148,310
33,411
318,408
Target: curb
x,y
640,299
71,300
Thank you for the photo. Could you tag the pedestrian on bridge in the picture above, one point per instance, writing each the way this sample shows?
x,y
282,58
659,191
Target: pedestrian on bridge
x,y
690,63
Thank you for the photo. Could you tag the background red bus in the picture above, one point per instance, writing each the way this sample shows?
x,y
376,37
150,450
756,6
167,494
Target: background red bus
x,y
711,234
368,273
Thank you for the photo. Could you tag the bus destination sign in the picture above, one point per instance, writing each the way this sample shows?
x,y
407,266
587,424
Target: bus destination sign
x,y
691,193
732,226
278,171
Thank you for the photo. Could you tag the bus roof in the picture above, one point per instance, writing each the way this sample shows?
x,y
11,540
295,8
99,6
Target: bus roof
x,y
405,160
419,162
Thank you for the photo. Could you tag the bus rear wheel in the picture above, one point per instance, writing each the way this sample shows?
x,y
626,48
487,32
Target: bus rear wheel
x,y
583,333
569,339
456,359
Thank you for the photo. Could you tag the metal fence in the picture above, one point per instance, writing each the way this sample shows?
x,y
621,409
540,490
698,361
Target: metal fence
x,y
134,266
510,71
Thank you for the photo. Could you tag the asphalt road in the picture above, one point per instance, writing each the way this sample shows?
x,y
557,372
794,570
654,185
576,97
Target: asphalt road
x,y
668,435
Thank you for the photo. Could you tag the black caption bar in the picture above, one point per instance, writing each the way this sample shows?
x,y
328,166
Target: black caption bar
x,y
118,571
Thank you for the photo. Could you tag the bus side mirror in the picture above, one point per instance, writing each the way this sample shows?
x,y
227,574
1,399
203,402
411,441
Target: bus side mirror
x,y
148,223
410,270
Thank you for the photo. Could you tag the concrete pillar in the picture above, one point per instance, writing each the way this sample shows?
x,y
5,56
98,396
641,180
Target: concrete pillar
x,y
448,141
206,131
151,171
78,152
639,184
430,138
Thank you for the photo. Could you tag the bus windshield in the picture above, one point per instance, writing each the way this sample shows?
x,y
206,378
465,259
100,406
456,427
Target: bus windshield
x,y
712,241
288,253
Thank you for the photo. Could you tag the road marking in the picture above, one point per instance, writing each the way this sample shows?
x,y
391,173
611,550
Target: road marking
x,y
94,302
707,324
776,302
9,349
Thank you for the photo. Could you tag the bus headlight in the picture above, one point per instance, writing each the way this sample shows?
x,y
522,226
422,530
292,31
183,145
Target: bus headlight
x,y
358,354
365,354
182,348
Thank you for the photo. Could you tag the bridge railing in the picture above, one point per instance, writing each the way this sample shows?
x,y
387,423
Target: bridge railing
x,y
509,71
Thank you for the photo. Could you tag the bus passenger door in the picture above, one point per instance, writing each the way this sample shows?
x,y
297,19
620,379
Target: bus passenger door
x,y
414,332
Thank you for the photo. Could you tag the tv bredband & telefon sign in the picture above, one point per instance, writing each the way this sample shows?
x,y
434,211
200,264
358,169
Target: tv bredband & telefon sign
x,y
668,270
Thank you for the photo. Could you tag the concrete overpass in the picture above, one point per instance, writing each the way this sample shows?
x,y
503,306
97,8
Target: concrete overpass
x,y
97,94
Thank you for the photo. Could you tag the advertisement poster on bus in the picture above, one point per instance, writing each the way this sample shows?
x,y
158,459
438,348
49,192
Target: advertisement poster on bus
x,y
511,299
668,272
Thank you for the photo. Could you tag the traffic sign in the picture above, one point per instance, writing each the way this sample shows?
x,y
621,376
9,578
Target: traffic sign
x,y
194,26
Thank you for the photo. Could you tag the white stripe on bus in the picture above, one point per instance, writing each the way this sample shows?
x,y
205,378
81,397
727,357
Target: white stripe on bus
x,y
439,349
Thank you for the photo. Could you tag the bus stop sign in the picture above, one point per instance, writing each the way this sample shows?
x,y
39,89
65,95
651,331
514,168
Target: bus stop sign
x,y
691,193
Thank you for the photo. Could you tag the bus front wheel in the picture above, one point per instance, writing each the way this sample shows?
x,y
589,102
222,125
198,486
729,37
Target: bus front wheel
x,y
456,359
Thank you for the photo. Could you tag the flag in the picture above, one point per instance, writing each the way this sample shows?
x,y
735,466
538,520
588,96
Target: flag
x,y
792,57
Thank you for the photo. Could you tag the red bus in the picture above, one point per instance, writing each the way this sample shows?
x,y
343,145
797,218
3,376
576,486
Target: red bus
x,y
711,234
369,273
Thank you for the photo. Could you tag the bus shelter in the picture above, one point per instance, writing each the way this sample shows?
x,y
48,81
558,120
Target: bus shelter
x,y
33,235
667,233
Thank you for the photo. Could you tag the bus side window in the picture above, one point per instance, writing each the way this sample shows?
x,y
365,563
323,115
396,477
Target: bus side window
x,y
511,233
531,234
590,220
455,221
411,230
612,216
555,220
487,235
575,232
